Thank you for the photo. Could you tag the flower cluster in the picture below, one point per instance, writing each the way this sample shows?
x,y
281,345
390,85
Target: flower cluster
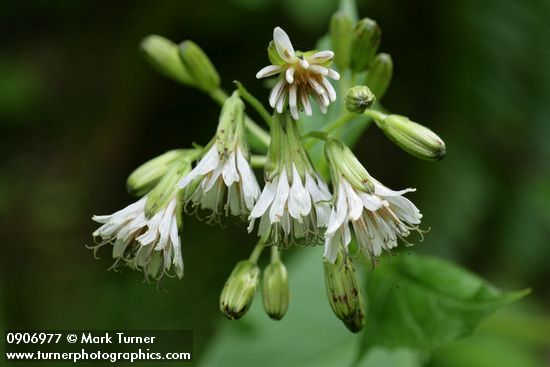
x,y
295,207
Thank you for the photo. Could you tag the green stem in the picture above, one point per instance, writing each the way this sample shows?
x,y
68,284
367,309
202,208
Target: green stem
x,y
344,119
376,115
255,255
220,96
253,101
275,254
258,161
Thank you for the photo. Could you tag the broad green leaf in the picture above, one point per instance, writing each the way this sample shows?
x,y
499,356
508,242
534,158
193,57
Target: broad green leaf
x,y
422,302
485,351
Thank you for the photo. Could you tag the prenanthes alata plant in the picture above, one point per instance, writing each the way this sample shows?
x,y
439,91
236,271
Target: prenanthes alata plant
x,y
302,74
295,205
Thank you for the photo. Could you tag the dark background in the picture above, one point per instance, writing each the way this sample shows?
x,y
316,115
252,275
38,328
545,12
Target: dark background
x,y
80,109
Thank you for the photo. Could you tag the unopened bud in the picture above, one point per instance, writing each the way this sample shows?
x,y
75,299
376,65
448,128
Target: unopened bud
x,y
166,188
275,290
239,289
359,98
341,29
163,55
231,124
415,139
366,39
357,323
146,176
342,289
199,66
380,74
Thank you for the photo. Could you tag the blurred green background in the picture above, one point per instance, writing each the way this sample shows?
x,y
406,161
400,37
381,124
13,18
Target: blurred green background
x,y
80,109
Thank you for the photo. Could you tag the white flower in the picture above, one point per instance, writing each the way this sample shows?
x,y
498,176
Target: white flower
x,y
292,209
149,244
222,182
301,75
378,219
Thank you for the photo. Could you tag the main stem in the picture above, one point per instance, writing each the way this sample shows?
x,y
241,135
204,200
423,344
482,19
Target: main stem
x,y
255,255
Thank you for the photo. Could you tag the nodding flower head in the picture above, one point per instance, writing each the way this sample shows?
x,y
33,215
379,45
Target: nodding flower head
x,y
223,181
301,74
378,216
294,203
145,234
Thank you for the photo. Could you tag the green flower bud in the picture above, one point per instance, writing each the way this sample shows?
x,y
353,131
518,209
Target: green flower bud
x,y
239,290
343,290
166,188
357,323
344,163
359,98
231,125
146,176
366,40
341,29
380,74
195,60
415,139
275,290
162,54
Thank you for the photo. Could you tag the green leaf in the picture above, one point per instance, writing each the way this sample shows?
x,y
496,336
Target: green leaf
x,y
422,302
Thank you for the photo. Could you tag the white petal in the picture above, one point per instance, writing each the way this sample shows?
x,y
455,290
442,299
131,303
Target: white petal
x,y
354,201
281,103
321,56
319,69
382,190
265,200
276,92
292,102
279,203
333,74
299,201
339,211
316,86
229,172
371,202
251,189
405,209
290,75
330,90
305,103
332,245
209,162
268,71
283,44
